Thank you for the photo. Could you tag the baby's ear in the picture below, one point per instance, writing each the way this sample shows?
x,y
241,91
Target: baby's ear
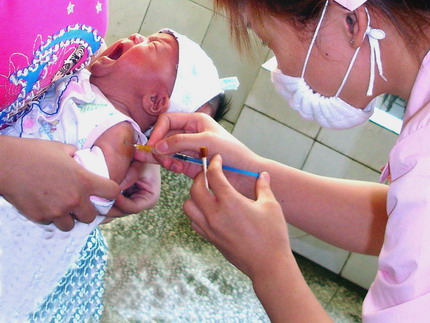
x,y
155,103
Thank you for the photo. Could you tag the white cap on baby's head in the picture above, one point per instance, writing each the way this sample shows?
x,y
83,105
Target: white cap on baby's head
x,y
197,79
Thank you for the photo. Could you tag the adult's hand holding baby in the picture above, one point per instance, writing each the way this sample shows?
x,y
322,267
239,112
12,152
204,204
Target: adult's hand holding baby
x,y
141,187
47,197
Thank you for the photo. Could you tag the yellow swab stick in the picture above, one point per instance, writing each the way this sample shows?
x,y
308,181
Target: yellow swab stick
x,y
143,147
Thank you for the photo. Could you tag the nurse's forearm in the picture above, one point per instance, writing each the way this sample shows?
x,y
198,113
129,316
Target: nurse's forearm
x,y
286,297
345,213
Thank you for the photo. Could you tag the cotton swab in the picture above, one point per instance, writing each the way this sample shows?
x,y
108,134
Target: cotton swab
x,y
198,161
204,157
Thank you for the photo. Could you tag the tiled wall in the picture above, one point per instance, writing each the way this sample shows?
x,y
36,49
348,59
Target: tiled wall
x,y
259,116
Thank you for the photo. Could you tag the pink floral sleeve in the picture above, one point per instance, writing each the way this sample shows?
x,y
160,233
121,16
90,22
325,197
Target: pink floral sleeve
x,y
41,41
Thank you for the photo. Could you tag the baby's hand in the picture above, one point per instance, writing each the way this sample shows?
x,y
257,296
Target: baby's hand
x,y
141,189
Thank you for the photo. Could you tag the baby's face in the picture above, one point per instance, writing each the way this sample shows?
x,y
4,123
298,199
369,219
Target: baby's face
x,y
137,63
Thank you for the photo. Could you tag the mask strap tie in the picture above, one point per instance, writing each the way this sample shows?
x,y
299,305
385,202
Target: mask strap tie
x,y
374,36
354,57
308,54
375,53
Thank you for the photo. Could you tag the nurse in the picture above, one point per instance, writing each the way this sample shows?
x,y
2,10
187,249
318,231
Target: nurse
x,y
334,57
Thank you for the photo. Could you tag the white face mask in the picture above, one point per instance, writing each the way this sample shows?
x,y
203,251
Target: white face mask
x,y
330,112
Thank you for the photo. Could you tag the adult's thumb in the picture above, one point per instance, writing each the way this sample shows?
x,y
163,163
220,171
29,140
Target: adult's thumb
x,y
146,157
262,187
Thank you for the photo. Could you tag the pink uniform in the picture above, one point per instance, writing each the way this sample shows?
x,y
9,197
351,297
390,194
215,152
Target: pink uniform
x,y
42,41
401,290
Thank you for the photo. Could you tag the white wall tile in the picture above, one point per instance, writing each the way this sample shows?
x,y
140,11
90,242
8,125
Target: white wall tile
x,y
263,97
272,139
318,251
360,269
219,46
205,3
325,161
125,18
227,125
296,233
369,143
184,16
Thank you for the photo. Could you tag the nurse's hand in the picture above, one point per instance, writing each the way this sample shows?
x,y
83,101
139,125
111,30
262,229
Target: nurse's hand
x,y
251,234
186,133
43,181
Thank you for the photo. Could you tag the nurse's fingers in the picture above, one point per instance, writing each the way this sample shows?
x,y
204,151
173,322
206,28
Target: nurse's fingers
x,y
263,191
185,142
219,183
185,122
199,230
145,157
202,197
197,217
204,131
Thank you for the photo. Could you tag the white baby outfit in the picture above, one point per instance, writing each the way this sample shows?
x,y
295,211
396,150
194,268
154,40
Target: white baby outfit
x,y
36,257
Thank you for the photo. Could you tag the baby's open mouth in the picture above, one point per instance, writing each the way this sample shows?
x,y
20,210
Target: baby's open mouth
x,y
117,52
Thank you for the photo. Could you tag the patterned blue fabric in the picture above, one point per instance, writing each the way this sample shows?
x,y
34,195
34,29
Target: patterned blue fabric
x,y
78,296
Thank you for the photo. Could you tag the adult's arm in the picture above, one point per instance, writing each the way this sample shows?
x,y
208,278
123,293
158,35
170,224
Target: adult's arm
x,y
345,213
348,214
41,179
252,235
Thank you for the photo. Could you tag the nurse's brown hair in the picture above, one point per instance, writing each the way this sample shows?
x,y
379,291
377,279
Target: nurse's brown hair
x,y
410,17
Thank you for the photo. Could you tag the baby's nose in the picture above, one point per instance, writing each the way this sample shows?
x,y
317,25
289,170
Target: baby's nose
x,y
137,38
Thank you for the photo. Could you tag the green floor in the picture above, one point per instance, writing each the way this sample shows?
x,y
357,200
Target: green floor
x,y
160,270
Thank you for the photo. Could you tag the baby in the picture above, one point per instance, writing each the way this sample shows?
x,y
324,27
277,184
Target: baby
x,y
45,272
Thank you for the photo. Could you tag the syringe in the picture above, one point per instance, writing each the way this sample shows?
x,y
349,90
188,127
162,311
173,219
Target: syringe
x,y
198,161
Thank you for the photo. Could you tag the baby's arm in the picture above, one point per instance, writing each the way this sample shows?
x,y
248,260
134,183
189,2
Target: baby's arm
x,y
140,182
116,144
